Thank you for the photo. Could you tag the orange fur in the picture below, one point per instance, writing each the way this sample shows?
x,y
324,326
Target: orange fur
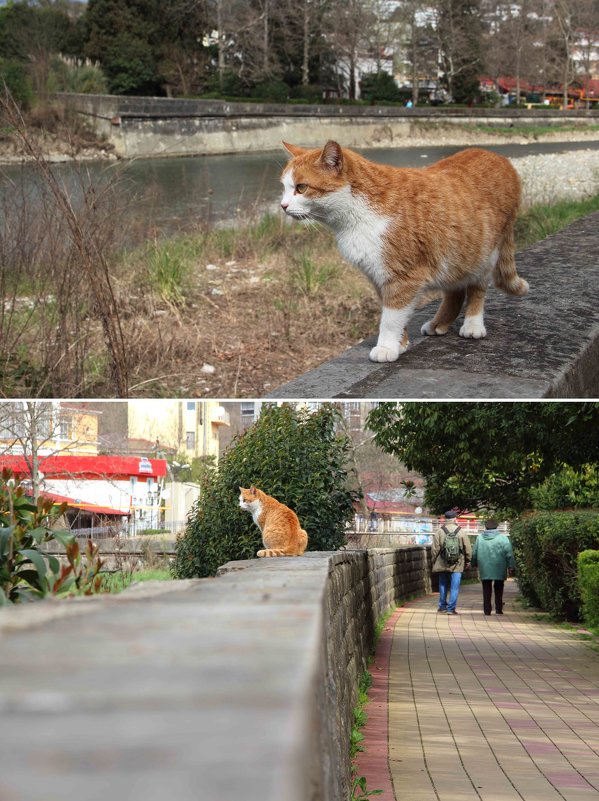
x,y
446,227
282,534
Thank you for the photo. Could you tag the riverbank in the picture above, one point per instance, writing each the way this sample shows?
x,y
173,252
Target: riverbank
x,y
231,311
60,147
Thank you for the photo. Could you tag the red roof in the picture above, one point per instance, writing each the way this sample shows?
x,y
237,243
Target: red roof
x,y
76,503
88,467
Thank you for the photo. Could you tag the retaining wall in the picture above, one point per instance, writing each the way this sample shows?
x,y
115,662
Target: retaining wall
x,y
152,126
239,687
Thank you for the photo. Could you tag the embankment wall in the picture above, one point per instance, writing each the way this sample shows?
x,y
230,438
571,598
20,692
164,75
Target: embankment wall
x,y
150,127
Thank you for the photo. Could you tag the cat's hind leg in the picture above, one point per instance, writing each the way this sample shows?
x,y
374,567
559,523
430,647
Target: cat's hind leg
x,y
474,324
504,274
450,307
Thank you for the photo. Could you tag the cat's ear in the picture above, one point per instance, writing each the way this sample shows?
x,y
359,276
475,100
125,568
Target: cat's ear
x,y
294,150
253,490
331,157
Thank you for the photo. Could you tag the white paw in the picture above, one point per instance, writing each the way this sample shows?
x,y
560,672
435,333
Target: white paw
x,y
384,353
473,328
431,330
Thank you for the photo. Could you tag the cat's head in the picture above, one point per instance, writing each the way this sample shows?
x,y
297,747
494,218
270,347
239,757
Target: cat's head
x,y
314,182
247,497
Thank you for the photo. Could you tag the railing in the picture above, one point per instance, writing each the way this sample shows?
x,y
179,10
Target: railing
x,y
169,528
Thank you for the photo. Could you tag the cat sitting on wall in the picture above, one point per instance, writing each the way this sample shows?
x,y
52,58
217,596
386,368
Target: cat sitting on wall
x,y
446,227
282,534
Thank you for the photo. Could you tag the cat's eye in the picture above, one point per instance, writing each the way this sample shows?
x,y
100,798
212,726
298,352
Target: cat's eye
x,y
301,188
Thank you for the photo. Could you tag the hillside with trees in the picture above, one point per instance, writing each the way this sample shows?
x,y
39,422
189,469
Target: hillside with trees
x,y
296,50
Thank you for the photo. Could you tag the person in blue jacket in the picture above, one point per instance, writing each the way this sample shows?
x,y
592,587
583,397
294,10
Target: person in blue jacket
x,y
493,555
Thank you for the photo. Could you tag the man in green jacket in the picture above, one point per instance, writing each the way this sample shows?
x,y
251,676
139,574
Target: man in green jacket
x,y
447,539
494,557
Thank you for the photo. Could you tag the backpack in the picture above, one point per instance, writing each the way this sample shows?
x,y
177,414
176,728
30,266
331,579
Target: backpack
x,y
451,549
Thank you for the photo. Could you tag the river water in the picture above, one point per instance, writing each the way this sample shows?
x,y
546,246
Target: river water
x,y
164,196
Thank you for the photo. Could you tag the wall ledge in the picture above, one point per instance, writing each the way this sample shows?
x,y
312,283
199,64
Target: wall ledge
x,y
544,345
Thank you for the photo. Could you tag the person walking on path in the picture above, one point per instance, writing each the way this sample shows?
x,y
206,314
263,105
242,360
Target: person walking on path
x,y
494,557
451,553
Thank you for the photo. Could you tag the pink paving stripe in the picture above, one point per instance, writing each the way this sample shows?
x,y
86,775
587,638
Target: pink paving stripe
x,y
373,762
539,748
567,779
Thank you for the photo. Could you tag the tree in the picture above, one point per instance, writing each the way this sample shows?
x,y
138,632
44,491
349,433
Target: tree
x,y
298,457
487,455
30,34
421,48
459,31
36,430
124,36
346,24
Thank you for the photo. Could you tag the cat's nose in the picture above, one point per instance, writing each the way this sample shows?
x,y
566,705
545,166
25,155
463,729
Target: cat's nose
x,y
284,205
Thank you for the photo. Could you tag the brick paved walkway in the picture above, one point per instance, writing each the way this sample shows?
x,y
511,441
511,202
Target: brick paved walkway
x,y
481,708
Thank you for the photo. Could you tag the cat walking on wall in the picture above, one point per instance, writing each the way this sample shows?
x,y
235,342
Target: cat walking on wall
x,y
446,227
282,534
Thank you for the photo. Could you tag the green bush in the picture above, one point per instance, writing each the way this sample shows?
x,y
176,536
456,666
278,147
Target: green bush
x,y
27,573
546,547
292,454
376,86
569,489
588,582
307,94
13,75
70,75
271,90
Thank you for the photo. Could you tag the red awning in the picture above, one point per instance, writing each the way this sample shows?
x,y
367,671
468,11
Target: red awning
x,y
88,467
76,503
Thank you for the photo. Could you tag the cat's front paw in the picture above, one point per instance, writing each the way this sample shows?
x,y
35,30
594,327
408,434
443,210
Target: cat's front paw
x,y
473,328
261,554
385,353
431,330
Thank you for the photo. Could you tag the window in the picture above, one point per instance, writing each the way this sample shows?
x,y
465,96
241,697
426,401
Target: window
x,y
191,406
64,428
247,409
190,440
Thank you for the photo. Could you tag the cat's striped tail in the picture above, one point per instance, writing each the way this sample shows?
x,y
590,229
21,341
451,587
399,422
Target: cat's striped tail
x,y
505,275
274,552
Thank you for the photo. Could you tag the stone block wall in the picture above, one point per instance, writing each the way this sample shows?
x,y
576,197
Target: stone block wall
x,y
236,687
361,586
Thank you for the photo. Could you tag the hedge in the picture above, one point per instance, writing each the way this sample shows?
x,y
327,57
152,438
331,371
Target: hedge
x,y
546,547
588,582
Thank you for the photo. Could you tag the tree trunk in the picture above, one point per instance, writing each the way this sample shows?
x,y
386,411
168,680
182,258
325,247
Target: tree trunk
x,y
306,48
221,44
265,37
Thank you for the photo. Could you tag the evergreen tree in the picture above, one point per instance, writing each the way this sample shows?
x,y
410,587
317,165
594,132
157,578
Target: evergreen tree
x,y
298,457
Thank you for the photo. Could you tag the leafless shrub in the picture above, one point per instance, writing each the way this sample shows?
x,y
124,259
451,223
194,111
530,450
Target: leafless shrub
x,y
57,289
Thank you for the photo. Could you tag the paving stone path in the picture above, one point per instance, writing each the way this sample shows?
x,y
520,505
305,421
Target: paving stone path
x,y
499,708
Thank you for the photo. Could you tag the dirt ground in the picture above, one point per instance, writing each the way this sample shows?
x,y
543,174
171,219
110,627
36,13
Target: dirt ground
x,y
249,327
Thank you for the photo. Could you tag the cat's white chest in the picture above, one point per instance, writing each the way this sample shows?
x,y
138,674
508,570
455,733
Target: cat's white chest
x,y
256,512
360,234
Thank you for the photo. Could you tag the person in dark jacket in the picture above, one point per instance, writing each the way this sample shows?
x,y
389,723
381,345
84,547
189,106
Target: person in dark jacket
x,y
493,556
450,575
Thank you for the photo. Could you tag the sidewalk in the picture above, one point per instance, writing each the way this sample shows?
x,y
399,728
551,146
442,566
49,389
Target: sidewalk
x,y
490,708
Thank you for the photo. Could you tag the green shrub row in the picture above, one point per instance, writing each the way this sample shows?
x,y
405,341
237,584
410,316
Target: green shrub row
x,y
546,547
295,455
588,582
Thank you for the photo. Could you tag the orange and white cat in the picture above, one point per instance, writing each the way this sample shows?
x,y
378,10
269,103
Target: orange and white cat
x,y
282,534
446,227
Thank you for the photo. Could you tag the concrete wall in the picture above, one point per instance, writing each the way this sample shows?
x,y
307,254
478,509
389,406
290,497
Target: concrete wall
x,y
145,126
239,687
